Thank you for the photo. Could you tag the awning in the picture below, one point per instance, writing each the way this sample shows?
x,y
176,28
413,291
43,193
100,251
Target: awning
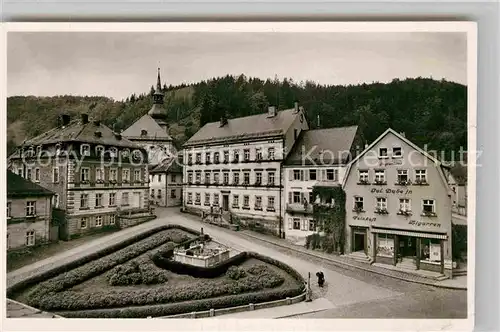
x,y
409,233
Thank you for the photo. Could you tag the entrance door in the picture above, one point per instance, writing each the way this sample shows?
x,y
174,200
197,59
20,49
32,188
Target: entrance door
x,y
408,246
225,202
137,200
359,242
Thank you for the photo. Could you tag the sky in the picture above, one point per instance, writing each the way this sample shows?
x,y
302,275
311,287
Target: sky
x,y
117,64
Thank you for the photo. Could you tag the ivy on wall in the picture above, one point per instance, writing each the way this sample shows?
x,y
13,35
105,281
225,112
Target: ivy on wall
x,y
329,214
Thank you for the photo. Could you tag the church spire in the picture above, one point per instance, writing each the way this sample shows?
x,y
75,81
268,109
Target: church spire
x,y
158,82
158,95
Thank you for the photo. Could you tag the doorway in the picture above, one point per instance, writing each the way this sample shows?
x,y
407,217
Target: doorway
x,y
225,202
359,240
408,246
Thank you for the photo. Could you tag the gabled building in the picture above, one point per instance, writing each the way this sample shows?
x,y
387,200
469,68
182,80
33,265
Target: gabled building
x,y
151,130
236,164
318,158
94,172
398,206
29,213
166,183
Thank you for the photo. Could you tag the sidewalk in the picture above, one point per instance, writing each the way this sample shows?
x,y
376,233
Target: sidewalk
x,y
459,283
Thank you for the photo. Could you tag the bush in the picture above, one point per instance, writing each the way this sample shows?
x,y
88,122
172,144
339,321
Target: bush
x,y
38,278
141,271
72,300
97,267
235,273
258,269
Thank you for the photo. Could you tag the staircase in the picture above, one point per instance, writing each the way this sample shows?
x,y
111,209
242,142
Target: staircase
x,y
407,264
359,256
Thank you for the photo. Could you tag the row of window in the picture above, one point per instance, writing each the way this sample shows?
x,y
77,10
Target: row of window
x,y
258,155
34,174
30,209
113,174
85,151
403,176
428,206
100,199
98,221
330,174
214,177
159,177
397,152
258,201
159,194
29,239
302,225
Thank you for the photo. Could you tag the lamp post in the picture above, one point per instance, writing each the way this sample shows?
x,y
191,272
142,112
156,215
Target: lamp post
x,y
308,288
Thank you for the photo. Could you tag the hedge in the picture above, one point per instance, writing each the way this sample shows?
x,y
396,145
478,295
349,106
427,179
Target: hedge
x,y
97,267
35,279
198,290
164,261
184,307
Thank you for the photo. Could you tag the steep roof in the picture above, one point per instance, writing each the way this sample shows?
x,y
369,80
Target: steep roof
x,y
253,126
405,140
153,129
77,131
170,166
17,186
334,143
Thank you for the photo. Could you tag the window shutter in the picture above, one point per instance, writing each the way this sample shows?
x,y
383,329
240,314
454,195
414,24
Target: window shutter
x,y
290,222
290,197
301,175
323,175
290,175
301,197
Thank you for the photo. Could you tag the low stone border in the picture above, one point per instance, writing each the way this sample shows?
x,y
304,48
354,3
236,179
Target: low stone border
x,y
35,310
241,308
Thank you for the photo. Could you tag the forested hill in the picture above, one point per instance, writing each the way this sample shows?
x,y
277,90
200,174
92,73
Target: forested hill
x,y
428,111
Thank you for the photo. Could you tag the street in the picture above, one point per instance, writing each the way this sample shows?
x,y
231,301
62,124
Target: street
x,y
353,294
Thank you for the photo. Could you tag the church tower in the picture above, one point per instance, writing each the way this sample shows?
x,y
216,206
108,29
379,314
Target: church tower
x,y
157,112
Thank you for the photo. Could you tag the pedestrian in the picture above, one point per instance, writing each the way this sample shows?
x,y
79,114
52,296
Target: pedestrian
x,y
321,278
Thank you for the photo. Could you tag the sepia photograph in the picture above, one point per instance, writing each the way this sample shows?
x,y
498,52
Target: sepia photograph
x,y
257,171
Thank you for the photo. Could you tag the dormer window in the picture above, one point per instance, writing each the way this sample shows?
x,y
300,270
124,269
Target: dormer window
x,y
137,154
397,152
58,149
113,152
125,153
382,153
30,152
85,150
99,150
39,150
144,132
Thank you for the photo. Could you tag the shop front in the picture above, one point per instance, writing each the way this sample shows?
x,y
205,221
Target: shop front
x,y
410,250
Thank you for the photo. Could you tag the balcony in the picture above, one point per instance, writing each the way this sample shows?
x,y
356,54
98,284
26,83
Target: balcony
x,y
299,208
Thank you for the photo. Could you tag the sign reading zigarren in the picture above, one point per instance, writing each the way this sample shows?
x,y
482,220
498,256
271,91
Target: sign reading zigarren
x,y
391,191
424,224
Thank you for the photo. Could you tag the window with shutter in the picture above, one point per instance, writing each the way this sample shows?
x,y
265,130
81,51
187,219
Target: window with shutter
x,y
302,175
306,175
290,222
290,174
290,198
301,197
323,175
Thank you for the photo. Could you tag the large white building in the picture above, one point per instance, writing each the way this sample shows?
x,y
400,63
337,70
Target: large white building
x,y
319,158
237,164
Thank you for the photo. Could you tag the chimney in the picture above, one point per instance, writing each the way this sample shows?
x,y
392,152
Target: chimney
x,y
402,134
65,118
366,146
85,118
223,121
296,107
271,112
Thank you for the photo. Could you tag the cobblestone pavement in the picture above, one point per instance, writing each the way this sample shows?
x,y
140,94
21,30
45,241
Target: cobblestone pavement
x,y
352,293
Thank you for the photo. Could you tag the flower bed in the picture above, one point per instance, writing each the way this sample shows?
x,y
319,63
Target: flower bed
x,y
71,300
97,267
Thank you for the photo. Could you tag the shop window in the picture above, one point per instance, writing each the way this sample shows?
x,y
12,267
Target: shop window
x,y
430,250
385,245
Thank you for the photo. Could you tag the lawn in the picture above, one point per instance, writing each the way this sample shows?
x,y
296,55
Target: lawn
x,y
130,283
